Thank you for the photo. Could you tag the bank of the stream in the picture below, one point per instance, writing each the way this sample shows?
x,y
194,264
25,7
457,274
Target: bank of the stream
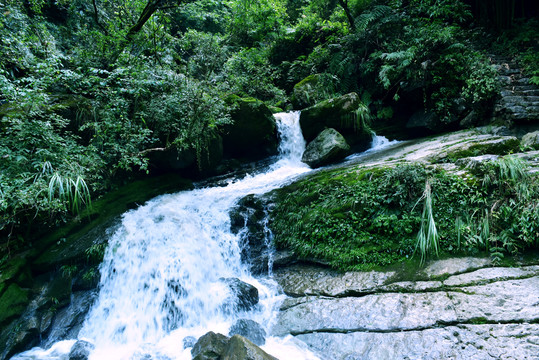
x,y
444,190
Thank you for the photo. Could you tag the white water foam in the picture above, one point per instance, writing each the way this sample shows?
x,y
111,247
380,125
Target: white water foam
x,y
378,143
161,278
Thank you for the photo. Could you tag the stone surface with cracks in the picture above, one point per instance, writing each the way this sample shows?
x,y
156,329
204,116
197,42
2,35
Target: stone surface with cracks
x,y
453,309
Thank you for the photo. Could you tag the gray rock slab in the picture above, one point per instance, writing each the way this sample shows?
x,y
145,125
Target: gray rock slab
x,y
454,266
504,301
384,312
478,342
309,280
491,274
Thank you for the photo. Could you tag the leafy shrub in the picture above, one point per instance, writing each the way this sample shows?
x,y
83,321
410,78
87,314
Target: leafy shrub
x,y
363,218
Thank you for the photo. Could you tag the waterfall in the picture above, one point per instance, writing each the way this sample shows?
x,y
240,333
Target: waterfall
x,y
162,273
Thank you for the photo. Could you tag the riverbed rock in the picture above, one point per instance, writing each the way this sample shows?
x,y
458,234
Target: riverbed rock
x,y
531,140
81,350
338,113
68,321
214,346
423,120
494,145
209,347
249,329
307,280
475,311
244,296
329,146
248,220
239,348
478,342
253,133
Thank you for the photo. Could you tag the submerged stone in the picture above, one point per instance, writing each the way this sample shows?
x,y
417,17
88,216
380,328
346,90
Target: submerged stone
x,y
249,329
245,296
81,350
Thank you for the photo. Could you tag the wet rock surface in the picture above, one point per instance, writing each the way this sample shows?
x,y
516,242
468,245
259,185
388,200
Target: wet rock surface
x,y
249,329
329,146
452,309
214,346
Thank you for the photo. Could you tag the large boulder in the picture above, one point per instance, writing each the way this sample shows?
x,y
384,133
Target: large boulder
x,y
531,140
214,346
307,92
209,347
340,113
329,146
249,329
423,120
239,348
244,296
253,133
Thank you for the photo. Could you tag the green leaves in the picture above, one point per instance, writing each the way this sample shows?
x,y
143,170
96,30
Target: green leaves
x,y
427,237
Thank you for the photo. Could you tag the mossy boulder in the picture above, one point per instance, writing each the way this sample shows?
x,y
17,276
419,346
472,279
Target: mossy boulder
x,y
329,146
304,93
531,140
253,133
339,113
13,302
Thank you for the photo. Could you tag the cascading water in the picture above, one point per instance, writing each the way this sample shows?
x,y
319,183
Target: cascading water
x,y
162,274
378,143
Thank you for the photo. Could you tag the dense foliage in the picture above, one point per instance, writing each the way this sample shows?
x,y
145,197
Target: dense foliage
x,y
89,89
372,217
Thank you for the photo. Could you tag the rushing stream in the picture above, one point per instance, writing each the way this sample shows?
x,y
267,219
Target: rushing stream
x,y
161,278
163,270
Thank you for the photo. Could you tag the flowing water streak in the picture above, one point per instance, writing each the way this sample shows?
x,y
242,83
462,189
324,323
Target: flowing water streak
x,y
161,277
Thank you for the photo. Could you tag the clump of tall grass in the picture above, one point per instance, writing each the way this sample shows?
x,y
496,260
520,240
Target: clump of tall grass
x,y
74,192
427,237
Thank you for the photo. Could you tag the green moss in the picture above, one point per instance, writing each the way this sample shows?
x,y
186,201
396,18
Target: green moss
x,y
12,303
359,219
69,244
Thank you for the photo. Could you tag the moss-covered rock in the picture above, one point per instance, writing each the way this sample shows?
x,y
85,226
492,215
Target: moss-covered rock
x,y
304,92
501,145
253,133
12,303
70,244
340,113
329,146
531,140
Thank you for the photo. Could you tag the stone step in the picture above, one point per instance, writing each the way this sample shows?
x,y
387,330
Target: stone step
x,y
509,71
525,87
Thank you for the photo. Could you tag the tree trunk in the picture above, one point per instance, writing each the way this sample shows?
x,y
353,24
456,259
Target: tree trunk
x,y
351,21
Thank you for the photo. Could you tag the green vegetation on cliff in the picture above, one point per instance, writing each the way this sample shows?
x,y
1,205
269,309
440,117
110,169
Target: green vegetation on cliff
x,y
360,218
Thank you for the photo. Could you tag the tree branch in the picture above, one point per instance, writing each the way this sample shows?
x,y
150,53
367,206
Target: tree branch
x,y
96,18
